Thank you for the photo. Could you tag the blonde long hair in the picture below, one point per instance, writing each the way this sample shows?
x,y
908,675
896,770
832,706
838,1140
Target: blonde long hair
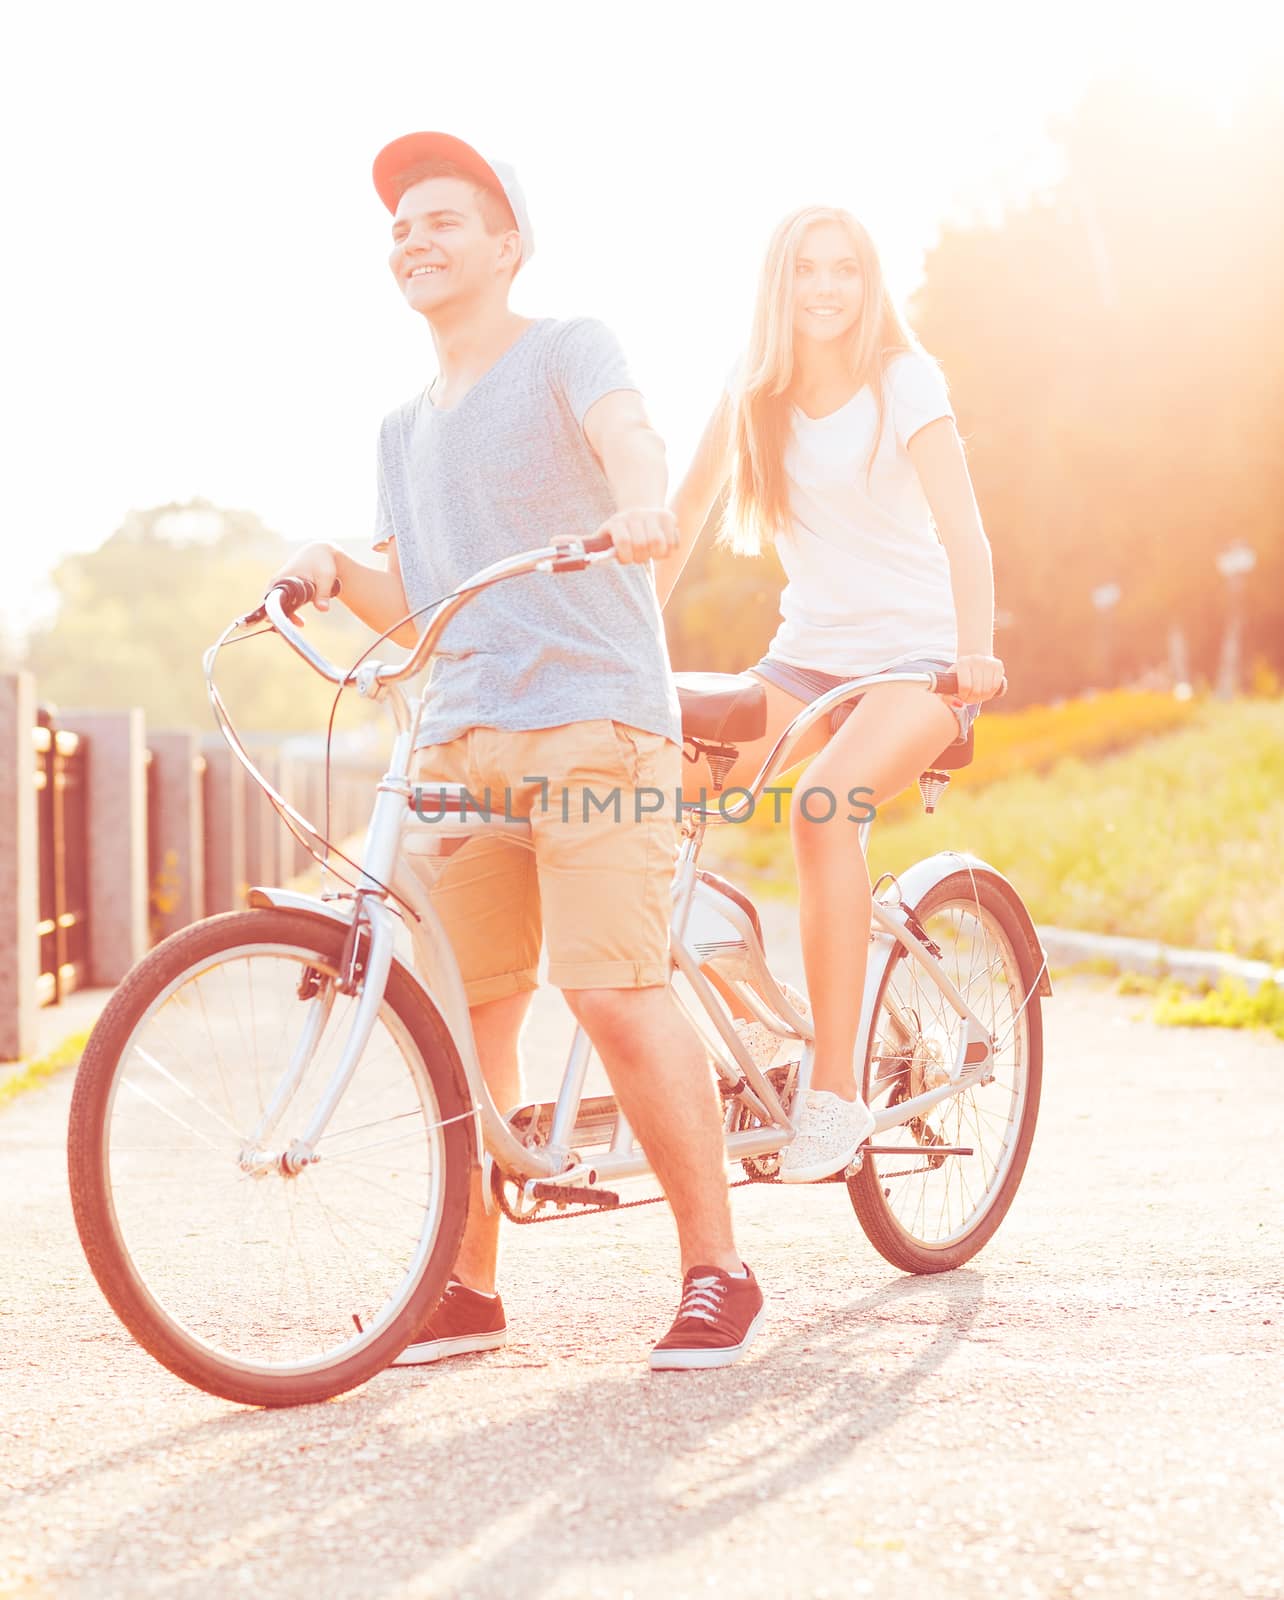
x,y
758,507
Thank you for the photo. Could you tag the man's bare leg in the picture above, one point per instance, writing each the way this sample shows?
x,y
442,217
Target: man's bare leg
x,y
660,1075
497,1025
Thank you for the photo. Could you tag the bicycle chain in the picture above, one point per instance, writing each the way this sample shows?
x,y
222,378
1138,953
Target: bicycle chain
x,y
654,1199
597,1211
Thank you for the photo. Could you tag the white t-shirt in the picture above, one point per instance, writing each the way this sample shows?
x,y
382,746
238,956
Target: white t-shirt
x,y
869,579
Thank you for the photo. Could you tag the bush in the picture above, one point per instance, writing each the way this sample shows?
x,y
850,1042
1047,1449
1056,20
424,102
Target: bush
x,y
1229,1005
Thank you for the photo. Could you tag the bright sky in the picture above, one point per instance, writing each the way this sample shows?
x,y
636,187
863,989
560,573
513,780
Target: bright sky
x,y
196,297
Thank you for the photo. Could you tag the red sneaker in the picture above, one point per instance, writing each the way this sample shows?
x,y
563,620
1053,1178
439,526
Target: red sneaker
x,y
716,1322
464,1321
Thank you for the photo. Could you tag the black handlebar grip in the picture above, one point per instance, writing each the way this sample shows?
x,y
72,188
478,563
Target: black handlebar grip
x,y
295,592
948,683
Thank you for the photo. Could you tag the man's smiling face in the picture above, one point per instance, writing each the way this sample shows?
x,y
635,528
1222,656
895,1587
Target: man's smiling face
x,y
442,250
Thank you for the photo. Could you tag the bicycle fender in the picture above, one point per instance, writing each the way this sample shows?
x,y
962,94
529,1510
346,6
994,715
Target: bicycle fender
x,y
261,896
924,875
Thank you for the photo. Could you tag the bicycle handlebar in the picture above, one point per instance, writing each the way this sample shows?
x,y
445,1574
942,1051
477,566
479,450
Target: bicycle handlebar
x,y
296,592
948,683
287,594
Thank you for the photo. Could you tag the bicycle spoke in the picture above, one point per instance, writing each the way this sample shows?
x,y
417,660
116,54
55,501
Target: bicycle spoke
x,y
195,1098
386,1188
362,1127
177,1052
173,1116
211,1034
337,1158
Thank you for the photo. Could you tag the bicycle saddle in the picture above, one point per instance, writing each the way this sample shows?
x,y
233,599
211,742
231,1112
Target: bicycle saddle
x,y
722,707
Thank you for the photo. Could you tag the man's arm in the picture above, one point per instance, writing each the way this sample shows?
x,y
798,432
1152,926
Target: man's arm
x,y
377,598
632,457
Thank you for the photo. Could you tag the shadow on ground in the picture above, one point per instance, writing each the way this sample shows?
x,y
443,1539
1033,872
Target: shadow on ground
x,y
482,1493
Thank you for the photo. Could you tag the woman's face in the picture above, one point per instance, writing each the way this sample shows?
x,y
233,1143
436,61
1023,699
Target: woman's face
x,y
829,288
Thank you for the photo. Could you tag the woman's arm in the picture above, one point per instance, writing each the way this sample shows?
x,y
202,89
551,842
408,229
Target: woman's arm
x,y
696,494
937,454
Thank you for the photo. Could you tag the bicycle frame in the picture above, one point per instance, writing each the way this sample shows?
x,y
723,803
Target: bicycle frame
x,y
701,917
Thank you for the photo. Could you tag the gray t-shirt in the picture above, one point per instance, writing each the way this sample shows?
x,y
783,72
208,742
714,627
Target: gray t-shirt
x,y
502,472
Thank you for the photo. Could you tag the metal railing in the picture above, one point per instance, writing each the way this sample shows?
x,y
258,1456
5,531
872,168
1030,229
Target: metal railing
x,y
113,836
62,849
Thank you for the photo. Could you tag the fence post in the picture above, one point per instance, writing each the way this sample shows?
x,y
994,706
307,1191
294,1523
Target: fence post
x,y
176,835
291,784
263,828
313,788
225,881
116,813
18,866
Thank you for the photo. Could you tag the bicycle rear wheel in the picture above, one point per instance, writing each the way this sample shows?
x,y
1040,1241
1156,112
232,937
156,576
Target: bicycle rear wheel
x,y
931,1214
259,1285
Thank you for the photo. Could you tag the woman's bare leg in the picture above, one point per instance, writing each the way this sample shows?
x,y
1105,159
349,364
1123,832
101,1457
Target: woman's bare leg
x,y
896,731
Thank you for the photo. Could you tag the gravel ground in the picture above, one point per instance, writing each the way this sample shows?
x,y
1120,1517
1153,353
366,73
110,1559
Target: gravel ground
x,y
1091,1408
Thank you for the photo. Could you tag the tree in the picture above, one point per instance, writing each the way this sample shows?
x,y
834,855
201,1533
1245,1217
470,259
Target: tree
x,y
1114,350
724,609
137,614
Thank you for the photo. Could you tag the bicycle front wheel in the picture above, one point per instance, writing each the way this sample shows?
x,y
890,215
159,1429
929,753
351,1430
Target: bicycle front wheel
x,y
251,1281
927,1213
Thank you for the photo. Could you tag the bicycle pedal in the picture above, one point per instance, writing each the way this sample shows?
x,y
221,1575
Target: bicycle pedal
x,y
562,1194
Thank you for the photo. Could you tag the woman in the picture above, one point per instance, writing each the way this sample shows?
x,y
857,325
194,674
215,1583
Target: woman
x,y
841,448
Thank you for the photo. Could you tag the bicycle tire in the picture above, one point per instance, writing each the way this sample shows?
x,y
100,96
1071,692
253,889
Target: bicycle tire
x,y
869,1193
89,1157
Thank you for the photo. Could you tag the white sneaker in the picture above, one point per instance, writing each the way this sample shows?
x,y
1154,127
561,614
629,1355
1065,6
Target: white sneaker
x,y
761,1043
830,1131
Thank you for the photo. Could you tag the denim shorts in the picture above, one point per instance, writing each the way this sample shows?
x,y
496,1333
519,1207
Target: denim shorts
x,y
808,684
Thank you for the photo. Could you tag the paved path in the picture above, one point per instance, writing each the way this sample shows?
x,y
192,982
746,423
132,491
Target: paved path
x,y
1092,1408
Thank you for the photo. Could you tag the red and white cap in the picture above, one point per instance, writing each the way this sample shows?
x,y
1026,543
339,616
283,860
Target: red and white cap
x,y
412,148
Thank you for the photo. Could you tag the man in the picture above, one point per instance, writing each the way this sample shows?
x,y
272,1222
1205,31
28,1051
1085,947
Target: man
x,y
533,430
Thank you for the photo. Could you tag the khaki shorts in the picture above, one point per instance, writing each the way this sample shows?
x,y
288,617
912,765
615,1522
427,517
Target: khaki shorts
x,y
600,887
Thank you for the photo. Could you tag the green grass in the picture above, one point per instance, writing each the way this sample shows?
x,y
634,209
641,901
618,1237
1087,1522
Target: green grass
x,y
1178,839
1227,1004
67,1054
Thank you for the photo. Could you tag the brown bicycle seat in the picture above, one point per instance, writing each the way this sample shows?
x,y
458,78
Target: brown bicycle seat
x,y
721,707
